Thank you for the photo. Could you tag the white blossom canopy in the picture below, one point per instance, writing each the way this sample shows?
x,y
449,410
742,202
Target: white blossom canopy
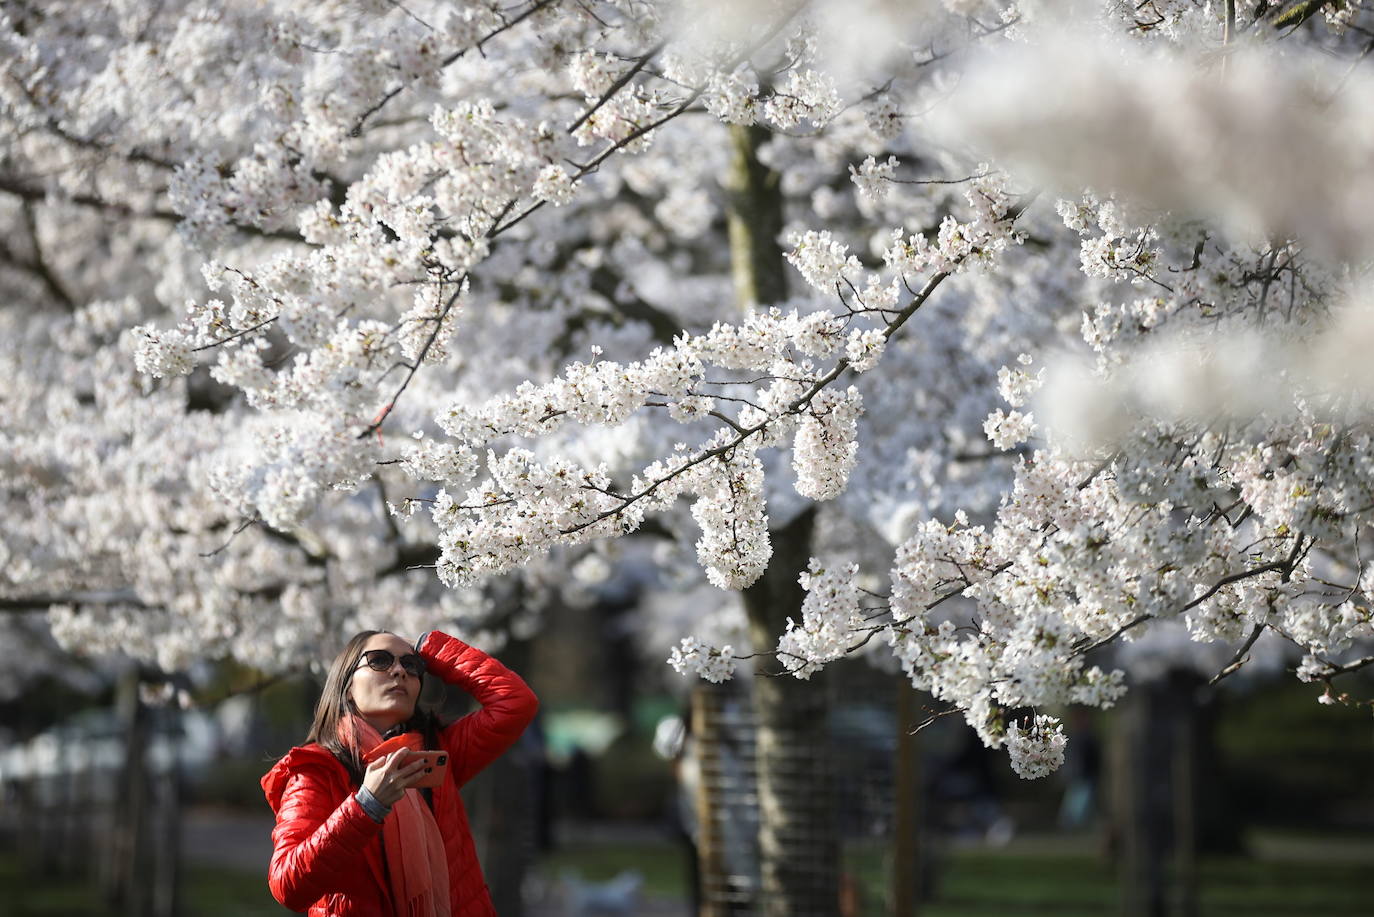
x,y
330,314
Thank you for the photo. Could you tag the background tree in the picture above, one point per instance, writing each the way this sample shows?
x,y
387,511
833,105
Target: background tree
x,y
308,301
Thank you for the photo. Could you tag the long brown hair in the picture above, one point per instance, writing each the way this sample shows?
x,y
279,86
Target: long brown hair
x,y
334,705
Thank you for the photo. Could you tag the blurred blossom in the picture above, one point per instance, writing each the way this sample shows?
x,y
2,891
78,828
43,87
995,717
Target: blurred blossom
x,y
1231,372
1262,140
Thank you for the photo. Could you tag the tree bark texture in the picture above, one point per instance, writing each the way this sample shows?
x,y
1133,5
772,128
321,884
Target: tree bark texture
x,y
755,219
798,843
799,848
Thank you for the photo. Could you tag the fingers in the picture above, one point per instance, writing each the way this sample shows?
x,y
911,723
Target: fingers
x,y
412,770
404,771
388,778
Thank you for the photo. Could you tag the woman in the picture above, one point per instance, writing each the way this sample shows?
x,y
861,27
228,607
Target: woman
x,y
362,839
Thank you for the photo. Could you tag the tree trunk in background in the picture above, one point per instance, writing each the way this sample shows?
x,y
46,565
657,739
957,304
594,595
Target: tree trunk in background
x,y
755,215
127,891
722,779
1168,801
165,840
906,822
1184,775
711,865
501,806
798,846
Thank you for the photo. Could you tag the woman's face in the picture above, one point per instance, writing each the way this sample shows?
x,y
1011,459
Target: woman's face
x,y
384,698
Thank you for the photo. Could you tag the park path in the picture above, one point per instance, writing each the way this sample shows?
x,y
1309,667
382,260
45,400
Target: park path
x,y
229,839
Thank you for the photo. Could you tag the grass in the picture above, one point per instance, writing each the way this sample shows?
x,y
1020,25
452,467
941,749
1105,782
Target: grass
x,y
1040,877
1031,877
29,896
216,893
205,892
662,864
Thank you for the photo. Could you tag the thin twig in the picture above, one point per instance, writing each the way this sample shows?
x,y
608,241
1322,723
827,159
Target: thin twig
x,y
242,525
1240,658
236,334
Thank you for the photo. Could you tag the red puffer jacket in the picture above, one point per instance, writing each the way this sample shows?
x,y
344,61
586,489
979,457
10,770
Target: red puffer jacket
x,y
327,852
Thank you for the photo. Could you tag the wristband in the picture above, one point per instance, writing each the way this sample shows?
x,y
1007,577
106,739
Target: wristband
x,y
374,807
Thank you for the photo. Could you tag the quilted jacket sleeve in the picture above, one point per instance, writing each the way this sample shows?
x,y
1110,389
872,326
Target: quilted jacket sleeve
x,y
316,844
508,704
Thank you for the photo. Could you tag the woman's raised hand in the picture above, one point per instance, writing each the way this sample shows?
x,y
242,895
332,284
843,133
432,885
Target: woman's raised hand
x,y
389,777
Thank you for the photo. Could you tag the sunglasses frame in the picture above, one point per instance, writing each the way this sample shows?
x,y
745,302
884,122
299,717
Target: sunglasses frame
x,y
417,671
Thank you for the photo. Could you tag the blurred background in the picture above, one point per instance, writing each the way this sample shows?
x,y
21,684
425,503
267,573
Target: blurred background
x,y
636,792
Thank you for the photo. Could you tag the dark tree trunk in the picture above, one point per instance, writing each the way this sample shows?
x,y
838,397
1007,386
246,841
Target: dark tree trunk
x,y
123,889
906,822
727,812
1168,801
798,846
755,214
502,807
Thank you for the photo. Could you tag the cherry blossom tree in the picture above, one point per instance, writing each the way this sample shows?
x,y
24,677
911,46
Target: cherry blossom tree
x,y
319,310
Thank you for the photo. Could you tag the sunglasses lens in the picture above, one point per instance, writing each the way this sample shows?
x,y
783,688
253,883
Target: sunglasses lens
x,y
383,660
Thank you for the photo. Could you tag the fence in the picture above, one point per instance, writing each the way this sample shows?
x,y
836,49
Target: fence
x,y
98,800
854,778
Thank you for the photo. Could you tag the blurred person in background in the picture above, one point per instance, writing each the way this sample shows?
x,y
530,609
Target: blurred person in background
x,y
358,838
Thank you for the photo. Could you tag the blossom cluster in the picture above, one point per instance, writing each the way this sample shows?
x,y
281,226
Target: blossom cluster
x,y
831,620
1036,748
692,657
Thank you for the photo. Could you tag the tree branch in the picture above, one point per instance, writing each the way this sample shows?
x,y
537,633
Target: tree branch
x,y
617,86
1240,658
42,602
357,129
40,264
25,192
795,407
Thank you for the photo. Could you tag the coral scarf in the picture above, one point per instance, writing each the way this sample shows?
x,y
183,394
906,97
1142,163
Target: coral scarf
x,y
414,848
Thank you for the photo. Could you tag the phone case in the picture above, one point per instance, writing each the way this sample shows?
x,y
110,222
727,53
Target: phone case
x,y
437,761
410,740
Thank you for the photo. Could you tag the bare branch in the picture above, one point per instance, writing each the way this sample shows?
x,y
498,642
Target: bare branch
x,y
40,264
241,526
235,335
25,192
43,601
1240,658
646,128
932,718
418,362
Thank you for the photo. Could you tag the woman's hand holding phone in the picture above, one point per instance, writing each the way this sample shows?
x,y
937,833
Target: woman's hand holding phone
x,y
388,777
436,766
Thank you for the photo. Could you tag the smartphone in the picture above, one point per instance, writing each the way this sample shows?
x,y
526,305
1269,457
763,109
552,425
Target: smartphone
x,y
409,740
437,762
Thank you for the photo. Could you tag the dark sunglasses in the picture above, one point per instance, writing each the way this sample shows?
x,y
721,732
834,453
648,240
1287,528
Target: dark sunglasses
x,y
383,660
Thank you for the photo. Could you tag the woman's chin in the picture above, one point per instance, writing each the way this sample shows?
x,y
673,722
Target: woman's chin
x,y
390,714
